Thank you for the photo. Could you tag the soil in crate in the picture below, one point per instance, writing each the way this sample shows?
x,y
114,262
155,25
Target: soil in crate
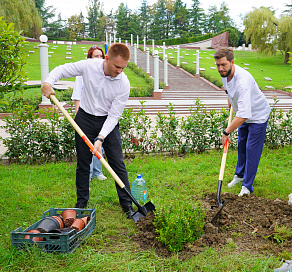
x,y
249,222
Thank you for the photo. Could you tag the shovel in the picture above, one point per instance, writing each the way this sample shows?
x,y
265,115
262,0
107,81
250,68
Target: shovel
x,y
142,210
220,204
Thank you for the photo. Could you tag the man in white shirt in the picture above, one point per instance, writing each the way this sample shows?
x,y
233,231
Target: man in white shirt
x,y
252,114
106,91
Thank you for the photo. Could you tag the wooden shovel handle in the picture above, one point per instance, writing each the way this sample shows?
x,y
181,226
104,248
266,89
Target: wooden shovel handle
x,y
225,149
87,141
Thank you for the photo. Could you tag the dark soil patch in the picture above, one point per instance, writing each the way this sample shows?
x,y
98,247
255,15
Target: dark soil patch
x,y
248,222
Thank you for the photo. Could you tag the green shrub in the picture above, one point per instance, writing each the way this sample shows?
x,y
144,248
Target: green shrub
x,y
178,223
33,139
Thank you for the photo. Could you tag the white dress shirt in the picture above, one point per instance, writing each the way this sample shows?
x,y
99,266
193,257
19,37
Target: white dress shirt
x,y
78,88
246,98
102,95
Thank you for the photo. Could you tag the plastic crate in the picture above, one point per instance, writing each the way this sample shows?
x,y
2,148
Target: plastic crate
x,y
55,242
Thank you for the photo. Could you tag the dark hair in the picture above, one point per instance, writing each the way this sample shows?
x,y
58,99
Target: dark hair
x,y
119,49
91,49
222,52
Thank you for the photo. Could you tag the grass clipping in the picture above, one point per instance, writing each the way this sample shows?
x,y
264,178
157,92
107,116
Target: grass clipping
x,y
179,223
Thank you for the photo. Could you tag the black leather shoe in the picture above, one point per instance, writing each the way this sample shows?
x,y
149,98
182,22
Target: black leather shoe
x,y
80,205
129,211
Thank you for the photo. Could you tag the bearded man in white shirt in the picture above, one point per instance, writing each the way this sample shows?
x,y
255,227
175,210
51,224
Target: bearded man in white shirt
x,y
106,91
252,114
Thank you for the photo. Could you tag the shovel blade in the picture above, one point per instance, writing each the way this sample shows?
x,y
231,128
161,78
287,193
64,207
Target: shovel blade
x,y
143,210
217,213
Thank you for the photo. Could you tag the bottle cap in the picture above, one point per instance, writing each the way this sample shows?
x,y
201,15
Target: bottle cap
x,y
138,176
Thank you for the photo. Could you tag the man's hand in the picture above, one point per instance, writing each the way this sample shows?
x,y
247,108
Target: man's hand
x,y
98,145
47,90
224,139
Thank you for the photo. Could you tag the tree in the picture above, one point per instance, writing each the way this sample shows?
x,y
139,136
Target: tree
x,y
123,20
144,18
285,36
224,17
13,56
95,13
261,28
213,20
196,17
47,12
24,15
75,27
180,21
57,28
162,19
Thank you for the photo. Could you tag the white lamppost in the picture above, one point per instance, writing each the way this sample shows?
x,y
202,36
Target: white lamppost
x,y
44,62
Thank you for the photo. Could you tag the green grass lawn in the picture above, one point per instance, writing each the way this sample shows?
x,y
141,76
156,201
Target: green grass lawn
x,y
28,191
272,66
58,57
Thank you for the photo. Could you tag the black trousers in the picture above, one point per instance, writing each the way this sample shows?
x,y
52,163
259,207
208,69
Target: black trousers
x,y
91,126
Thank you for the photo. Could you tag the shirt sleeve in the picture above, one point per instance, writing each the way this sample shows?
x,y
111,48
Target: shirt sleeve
x,y
244,100
116,109
78,88
65,71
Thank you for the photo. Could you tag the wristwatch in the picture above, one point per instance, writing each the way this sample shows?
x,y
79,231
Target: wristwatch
x,y
99,139
225,133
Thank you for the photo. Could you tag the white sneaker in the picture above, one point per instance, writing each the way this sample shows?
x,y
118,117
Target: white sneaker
x,y
244,191
290,199
101,177
235,180
287,266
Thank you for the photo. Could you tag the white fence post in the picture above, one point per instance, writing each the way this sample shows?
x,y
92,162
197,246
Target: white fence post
x,y
163,51
147,62
120,40
198,64
131,39
44,62
166,72
144,44
110,39
135,54
156,71
126,42
106,38
178,57
137,41
152,47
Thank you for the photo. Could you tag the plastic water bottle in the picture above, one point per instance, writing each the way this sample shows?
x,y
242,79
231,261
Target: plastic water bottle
x,y
139,189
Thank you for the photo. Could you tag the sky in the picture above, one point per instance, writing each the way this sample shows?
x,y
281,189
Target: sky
x,y
237,8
